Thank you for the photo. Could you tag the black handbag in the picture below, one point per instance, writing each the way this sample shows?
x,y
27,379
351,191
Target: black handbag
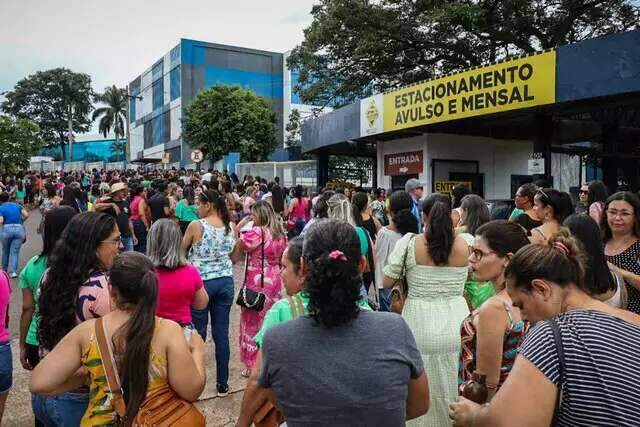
x,y
248,298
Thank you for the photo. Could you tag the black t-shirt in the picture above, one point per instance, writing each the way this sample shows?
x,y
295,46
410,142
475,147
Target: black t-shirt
x,y
527,223
157,203
122,219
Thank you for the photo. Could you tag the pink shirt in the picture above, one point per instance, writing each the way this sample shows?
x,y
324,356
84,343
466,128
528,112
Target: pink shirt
x,y
94,297
5,297
176,289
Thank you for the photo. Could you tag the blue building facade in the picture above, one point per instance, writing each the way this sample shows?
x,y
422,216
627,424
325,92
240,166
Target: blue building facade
x,y
174,81
90,148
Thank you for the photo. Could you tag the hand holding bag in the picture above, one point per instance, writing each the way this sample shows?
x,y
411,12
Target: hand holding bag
x,y
400,287
163,408
248,298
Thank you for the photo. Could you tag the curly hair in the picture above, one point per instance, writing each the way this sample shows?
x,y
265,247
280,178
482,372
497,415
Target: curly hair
x,y
70,264
333,285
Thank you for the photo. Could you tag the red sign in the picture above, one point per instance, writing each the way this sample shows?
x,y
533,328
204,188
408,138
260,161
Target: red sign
x,y
403,163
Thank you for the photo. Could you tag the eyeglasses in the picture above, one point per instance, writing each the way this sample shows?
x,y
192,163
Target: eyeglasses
x,y
115,241
622,214
478,254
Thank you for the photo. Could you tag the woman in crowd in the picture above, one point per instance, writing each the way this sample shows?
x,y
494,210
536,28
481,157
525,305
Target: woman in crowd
x,y
551,207
263,244
186,211
492,333
457,194
401,222
621,230
578,365
320,209
278,201
298,211
596,198
230,199
69,198
29,282
525,198
379,206
74,289
209,243
173,196
150,353
331,265
6,359
249,200
435,271
140,217
475,213
180,286
12,232
361,212
599,281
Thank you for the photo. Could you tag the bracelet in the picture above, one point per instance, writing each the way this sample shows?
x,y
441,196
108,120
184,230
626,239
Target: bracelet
x,y
491,386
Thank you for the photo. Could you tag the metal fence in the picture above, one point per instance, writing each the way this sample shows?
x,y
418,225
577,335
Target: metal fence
x,y
290,173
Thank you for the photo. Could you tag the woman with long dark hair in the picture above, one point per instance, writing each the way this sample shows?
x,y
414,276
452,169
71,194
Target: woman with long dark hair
x,y
186,210
457,194
401,222
140,217
208,243
150,353
362,217
435,271
69,198
551,207
299,210
525,205
263,245
73,290
578,364
475,213
596,198
331,264
621,231
54,223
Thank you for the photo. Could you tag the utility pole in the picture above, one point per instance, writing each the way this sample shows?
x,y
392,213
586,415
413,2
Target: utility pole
x,y
128,145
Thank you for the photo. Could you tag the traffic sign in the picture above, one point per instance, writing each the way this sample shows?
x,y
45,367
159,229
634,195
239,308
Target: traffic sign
x,y
197,156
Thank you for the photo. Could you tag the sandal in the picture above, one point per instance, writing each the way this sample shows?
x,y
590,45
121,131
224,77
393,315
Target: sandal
x,y
246,372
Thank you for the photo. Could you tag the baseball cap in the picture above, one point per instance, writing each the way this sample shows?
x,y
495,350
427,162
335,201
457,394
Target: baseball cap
x,y
412,184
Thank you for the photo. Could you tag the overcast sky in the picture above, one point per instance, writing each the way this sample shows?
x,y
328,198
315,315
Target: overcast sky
x,y
115,41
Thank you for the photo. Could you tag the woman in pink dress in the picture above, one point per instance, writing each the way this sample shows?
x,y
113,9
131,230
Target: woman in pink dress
x,y
261,275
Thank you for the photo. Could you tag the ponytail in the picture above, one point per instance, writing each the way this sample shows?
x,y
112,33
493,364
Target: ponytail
x,y
439,233
218,203
358,204
134,280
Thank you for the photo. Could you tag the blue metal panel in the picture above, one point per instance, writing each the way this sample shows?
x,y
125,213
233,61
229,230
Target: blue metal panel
x,y
98,150
174,82
263,84
295,98
191,53
332,128
599,67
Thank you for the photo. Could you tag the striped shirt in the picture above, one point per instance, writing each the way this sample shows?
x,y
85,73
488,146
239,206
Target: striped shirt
x,y
602,367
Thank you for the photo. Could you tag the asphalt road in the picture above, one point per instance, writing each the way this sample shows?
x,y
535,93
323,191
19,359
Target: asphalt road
x,y
219,411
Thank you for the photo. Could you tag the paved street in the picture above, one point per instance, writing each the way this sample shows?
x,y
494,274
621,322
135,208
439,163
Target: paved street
x,y
219,411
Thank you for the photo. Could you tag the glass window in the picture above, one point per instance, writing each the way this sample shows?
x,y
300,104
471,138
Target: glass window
x,y
132,110
157,71
174,79
166,126
148,135
158,94
157,130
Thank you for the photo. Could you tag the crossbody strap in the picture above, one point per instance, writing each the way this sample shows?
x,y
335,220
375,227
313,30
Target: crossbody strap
x,y
557,337
108,363
262,259
293,307
403,272
298,301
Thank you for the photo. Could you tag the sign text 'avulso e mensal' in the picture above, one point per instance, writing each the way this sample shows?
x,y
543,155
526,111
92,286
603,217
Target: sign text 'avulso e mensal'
x,y
509,85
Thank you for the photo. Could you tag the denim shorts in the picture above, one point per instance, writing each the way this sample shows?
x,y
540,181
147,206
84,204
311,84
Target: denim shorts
x,y
6,368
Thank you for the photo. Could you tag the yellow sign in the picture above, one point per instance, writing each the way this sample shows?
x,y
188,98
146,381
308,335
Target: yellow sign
x,y
447,186
509,85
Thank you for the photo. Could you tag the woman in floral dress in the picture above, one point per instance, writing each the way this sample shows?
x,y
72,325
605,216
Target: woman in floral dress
x,y
267,236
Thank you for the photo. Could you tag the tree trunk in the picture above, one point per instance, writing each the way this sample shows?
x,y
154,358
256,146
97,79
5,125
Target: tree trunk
x,y
62,144
70,124
118,143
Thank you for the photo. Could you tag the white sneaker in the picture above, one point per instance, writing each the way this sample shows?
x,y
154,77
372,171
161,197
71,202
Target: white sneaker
x,y
14,275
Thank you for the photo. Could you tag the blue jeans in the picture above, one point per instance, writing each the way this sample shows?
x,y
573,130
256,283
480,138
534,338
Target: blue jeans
x,y
220,292
127,244
141,234
6,368
63,410
12,239
384,293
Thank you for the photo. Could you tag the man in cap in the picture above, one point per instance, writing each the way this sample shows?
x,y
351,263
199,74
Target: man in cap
x,y
415,189
116,203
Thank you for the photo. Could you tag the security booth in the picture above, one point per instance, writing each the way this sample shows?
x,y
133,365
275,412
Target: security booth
x,y
569,114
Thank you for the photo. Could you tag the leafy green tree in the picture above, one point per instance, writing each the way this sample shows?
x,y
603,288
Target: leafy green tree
x,y
355,170
355,47
228,118
113,117
19,140
57,100
293,129
119,149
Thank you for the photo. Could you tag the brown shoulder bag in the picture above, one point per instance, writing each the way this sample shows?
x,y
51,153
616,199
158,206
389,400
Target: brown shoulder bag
x,y
400,288
162,409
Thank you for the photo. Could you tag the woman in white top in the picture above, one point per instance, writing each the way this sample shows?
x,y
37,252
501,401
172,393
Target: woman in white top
x,y
436,270
401,222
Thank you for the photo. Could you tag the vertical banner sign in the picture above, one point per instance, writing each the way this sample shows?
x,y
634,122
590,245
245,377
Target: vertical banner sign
x,y
403,163
509,85
372,115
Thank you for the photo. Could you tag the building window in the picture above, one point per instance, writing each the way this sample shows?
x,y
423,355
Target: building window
x,y
158,94
148,135
166,126
174,56
157,71
157,123
174,154
174,79
132,110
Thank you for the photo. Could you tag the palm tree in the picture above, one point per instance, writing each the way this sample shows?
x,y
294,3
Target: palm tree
x,y
114,115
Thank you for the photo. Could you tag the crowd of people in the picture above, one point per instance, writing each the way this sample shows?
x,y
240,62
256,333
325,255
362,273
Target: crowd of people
x,y
357,307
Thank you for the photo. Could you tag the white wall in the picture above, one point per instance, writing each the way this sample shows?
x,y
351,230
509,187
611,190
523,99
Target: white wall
x,y
498,159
